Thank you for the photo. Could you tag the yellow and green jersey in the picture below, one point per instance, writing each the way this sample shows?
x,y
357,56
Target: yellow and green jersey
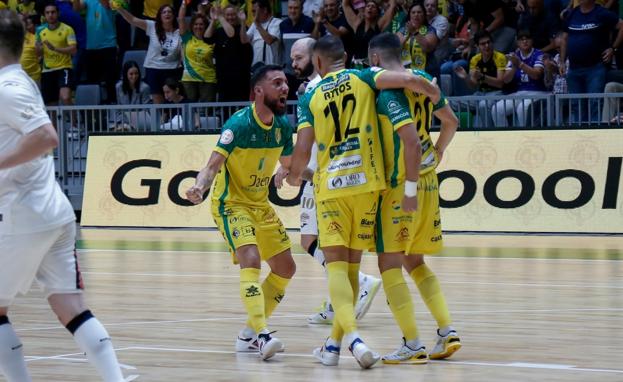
x,y
396,109
29,58
61,37
341,109
252,150
21,8
198,59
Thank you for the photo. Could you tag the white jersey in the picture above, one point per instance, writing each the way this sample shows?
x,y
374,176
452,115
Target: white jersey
x,y
313,159
30,198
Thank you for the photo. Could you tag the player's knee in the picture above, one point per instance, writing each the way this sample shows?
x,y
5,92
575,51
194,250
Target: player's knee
x,y
309,243
413,261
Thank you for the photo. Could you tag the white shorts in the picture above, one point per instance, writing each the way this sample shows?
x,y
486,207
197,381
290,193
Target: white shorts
x,y
309,222
48,256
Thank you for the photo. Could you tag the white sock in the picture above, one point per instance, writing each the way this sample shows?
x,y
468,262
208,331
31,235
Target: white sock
x,y
332,342
362,278
414,344
319,256
94,340
247,332
350,337
12,362
444,331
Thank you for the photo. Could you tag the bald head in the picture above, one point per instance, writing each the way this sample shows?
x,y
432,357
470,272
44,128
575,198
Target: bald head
x,y
301,54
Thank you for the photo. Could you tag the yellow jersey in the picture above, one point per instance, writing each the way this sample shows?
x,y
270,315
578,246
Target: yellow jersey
x,y
150,7
30,60
198,59
61,37
341,109
252,150
21,8
396,109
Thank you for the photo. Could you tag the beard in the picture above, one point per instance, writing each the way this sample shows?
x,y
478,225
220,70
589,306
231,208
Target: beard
x,y
274,106
306,71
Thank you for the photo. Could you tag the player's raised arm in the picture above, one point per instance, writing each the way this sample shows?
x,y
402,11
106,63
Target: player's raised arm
x,y
206,176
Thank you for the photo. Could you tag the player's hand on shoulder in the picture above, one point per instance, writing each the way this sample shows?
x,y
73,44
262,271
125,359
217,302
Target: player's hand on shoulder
x,y
194,195
409,204
292,181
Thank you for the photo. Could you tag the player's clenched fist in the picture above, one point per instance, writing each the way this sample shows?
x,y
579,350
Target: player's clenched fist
x,y
195,195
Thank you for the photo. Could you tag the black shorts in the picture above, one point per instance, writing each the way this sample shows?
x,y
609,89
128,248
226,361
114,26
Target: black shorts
x,y
155,78
52,82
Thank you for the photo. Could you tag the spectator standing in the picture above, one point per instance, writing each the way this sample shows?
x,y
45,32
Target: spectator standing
x,y
442,28
418,40
367,24
101,44
199,78
542,26
294,27
67,15
264,34
489,14
486,75
331,21
164,52
233,55
525,68
56,42
30,60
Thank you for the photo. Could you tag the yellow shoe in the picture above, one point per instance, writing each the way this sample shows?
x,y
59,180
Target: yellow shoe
x,y
407,356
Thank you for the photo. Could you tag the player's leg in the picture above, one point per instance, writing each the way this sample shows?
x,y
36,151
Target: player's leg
x,y
428,240
59,274
12,364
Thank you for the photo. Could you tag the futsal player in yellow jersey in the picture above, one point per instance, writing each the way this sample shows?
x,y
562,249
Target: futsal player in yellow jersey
x,y
405,233
340,115
241,166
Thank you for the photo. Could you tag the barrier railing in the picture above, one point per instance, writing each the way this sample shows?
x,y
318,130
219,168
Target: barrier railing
x,y
538,111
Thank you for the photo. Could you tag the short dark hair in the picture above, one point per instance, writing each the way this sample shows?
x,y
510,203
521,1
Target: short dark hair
x,y
524,33
49,4
330,46
264,4
12,33
482,33
175,84
260,72
387,45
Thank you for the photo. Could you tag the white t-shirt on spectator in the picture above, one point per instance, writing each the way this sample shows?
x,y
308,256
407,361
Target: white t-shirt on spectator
x,y
163,54
262,52
30,198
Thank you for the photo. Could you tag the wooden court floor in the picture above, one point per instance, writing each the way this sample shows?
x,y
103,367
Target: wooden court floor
x,y
527,308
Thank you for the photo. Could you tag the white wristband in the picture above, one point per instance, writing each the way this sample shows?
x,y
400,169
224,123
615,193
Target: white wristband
x,y
410,188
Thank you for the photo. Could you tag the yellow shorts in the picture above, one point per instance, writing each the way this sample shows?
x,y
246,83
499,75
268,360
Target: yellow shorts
x,y
348,222
243,225
414,233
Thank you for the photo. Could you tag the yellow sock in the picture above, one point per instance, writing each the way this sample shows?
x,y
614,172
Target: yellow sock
x,y
274,288
400,302
252,298
353,276
431,293
341,294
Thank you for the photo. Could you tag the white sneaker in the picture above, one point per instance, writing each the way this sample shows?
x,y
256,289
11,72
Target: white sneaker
x,y
250,345
446,345
268,346
406,355
327,354
367,290
362,353
323,317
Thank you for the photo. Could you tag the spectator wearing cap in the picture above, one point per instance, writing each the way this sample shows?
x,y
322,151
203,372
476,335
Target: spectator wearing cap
x,y
525,69
233,55
163,58
264,34
588,45
101,44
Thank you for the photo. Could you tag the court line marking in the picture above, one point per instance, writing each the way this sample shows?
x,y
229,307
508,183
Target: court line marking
x,y
439,256
278,317
207,275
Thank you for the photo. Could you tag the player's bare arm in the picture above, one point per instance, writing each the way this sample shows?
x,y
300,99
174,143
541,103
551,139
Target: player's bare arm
x,y
283,170
413,159
205,178
35,144
300,156
390,79
449,124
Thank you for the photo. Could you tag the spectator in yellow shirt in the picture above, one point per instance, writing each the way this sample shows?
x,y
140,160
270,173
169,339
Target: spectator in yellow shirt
x,y
30,60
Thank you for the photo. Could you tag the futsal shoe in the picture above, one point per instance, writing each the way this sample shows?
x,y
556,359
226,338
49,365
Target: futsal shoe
x,y
268,346
446,345
365,357
327,354
406,355
250,344
367,290
323,317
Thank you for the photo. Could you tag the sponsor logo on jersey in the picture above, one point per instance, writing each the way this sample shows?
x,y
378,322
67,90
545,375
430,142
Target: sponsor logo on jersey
x,y
348,145
435,238
364,236
334,228
393,106
402,235
345,181
367,222
345,163
227,137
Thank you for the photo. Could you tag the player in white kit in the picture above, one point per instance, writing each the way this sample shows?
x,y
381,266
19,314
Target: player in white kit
x,y
301,54
37,223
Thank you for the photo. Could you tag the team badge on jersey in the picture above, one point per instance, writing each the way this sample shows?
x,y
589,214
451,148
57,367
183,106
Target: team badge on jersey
x,y
278,135
227,137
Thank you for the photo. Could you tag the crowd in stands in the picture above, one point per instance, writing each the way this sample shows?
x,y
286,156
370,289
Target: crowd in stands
x,y
525,48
